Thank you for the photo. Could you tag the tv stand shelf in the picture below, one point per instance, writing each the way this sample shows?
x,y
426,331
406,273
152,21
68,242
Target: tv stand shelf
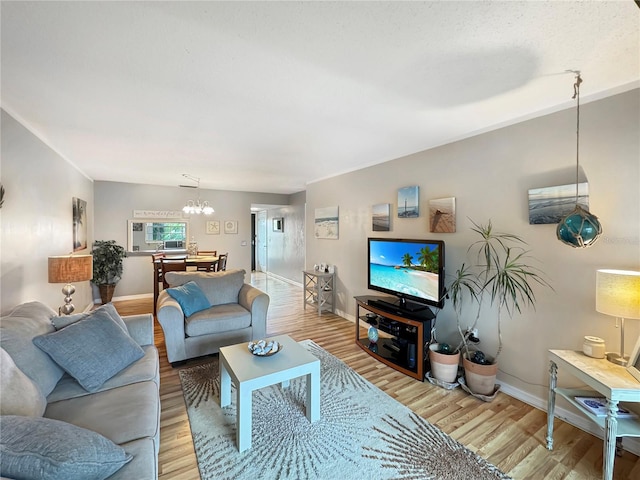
x,y
402,335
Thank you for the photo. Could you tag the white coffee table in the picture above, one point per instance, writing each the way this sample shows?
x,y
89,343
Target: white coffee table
x,y
249,372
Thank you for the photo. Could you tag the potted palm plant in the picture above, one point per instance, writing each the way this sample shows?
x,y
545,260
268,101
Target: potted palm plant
x,y
502,275
107,267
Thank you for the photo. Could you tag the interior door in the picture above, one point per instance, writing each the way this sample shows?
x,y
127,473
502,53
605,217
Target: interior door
x,y
261,242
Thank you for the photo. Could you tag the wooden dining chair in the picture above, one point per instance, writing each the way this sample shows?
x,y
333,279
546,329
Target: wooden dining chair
x,y
157,276
173,264
222,262
206,266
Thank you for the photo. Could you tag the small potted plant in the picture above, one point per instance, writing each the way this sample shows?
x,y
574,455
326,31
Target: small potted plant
x,y
444,362
501,275
107,267
443,358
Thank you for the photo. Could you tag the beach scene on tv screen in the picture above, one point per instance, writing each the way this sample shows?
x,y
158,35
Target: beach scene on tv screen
x,y
406,268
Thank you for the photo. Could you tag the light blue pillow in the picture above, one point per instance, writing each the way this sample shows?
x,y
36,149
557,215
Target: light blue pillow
x,y
36,447
91,350
190,297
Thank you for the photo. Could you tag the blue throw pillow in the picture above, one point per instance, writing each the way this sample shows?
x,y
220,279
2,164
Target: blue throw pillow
x,y
91,350
35,447
190,297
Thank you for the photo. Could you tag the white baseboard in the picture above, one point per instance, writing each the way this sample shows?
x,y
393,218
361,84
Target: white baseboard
x,y
284,279
631,444
98,301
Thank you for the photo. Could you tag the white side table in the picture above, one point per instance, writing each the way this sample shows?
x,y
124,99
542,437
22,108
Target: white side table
x,y
319,290
607,380
249,372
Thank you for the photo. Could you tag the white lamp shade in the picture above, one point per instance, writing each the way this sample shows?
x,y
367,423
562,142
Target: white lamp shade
x,y
618,293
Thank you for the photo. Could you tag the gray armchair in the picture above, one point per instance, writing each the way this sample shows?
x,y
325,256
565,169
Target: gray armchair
x,y
238,313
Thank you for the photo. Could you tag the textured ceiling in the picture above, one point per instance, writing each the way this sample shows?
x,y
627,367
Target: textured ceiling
x,y
269,96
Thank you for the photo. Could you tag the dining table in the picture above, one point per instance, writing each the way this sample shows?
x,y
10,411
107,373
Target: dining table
x,y
191,261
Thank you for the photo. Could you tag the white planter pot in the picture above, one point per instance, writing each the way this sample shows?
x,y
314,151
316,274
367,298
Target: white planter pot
x,y
480,379
443,367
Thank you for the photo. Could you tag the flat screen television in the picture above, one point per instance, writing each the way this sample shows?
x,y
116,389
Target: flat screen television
x,y
411,270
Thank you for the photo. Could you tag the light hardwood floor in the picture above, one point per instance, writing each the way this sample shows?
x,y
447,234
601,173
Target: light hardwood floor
x,y
507,432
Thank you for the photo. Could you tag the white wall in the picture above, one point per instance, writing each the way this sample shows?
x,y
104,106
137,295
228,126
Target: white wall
x,y
36,218
115,203
489,175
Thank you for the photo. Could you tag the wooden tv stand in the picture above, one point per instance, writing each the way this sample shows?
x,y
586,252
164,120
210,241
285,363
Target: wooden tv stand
x,y
402,335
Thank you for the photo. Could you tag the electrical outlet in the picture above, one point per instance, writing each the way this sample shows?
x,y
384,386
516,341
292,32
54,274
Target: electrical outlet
x,y
472,336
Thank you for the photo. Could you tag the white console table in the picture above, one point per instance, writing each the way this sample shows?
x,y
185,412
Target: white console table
x,y
604,379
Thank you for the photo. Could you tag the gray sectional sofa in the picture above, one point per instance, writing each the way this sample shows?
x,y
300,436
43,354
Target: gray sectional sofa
x,y
209,310
73,417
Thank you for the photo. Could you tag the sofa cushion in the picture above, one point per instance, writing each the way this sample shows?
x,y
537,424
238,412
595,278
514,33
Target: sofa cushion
x,y
62,321
143,370
17,331
190,297
144,465
219,287
18,394
122,414
222,318
91,350
44,448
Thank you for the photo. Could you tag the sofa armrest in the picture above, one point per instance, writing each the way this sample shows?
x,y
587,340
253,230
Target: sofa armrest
x,y
171,319
140,328
257,302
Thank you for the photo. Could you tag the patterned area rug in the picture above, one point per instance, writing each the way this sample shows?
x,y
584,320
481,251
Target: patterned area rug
x,y
362,433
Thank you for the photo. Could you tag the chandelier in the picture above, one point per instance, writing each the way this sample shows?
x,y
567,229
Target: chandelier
x,y
196,207
579,229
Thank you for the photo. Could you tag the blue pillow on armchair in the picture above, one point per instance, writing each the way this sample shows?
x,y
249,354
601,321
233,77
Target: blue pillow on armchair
x,y
190,297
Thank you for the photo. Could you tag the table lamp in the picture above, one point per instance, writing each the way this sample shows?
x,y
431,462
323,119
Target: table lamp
x,y
618,295
67,269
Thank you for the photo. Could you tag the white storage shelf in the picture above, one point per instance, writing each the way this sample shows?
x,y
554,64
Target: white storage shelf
x,y
319,290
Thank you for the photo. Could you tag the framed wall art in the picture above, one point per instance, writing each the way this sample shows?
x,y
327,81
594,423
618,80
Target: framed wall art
x,y
380,217
278,224
326,223
408,202
230,226
442,215
551,204
79,208
213,227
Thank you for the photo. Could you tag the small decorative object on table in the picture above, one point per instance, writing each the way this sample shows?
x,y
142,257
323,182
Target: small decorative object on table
x,y
264,348
372,334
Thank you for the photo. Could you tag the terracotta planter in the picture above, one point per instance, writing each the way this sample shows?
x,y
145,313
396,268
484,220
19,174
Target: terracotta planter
x,y
106,292
480,379
443,367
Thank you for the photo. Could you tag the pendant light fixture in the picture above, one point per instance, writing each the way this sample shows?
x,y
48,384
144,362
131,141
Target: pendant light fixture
x,y
196,207
579,229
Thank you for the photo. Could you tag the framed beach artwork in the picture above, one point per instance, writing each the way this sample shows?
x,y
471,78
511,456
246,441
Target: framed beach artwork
x,y
380,217
442,215
326,223
551,204
408,206
79,224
